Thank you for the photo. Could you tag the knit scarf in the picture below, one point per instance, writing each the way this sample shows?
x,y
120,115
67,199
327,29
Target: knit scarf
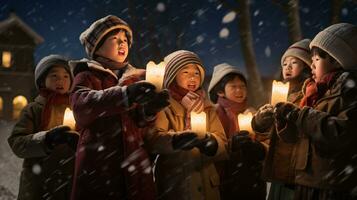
x,y
191,101
52,99
228,113
111,64
315,90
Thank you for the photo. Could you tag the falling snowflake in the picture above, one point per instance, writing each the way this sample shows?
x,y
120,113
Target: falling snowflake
x,y
200,39
344,11
229,17
200,12
52,28
224,33
36,169
350,83
267,51
260,23
349,169
131,168
100,148
256,13
193,22
305,10
160,7
219,6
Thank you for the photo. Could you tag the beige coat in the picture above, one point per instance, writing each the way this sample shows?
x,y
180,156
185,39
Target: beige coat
x,y
185,174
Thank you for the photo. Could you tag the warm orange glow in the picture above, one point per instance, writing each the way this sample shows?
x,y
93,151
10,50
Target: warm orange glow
x,y
198,123
1,107
68,119
6,59
244,122
279,92
155,74
18,103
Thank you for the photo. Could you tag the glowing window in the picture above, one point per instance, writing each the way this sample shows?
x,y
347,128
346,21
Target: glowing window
x,y
6,59
1,107
18,103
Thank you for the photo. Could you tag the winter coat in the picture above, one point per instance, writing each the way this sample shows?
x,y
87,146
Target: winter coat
x,y
279,164
185,174
103,119
46,174
327,139
241,173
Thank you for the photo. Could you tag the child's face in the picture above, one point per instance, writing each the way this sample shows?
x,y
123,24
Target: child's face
x,y
58,80
189,77
320,67
115,47
235,90
292,68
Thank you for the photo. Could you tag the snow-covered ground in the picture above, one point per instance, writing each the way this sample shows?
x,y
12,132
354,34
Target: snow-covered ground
x,y
10,165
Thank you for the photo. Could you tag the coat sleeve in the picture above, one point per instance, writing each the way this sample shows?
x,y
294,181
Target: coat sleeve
x,y
330,133
88,104
24,142
158,139
216,129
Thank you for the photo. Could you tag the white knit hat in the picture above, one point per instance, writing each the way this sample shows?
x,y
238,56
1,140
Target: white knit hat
x,y
299,50
176,60
46,63
91,37
219,72
340,41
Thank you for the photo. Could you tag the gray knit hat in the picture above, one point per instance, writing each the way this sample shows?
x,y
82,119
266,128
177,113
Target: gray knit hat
x,y
91,37
219,72
299,50
45,65
340,41
175,61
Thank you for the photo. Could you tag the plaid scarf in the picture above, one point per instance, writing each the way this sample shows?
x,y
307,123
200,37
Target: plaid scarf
x,y
191,101
52,99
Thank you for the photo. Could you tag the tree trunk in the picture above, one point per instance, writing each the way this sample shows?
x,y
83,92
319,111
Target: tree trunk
x,y
294,29
336,6
245,32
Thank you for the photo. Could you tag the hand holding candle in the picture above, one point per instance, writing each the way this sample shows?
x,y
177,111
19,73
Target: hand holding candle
x,y
279,92
198,124
155,74
68,119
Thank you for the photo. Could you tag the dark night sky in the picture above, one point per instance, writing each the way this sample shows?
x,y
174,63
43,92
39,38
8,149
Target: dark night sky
x,y
61,22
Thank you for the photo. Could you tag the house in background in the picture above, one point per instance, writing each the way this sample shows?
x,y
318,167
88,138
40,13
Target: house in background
x,y
17,45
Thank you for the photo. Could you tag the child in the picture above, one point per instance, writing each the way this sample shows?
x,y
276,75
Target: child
x,y
279,167
185,167
111,162
324,129
38,137
240,175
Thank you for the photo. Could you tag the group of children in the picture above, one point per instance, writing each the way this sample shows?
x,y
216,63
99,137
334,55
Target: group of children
x,y
135,142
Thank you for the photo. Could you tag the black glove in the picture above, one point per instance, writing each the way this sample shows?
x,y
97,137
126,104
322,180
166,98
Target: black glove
x,y
208,145
285,112
185,140
159,102
61,135
140,92
263,119
250,150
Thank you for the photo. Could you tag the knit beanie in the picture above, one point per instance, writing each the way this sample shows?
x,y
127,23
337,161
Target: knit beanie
x,y
45,65
299,50
219,72
91,37
340,42
178,60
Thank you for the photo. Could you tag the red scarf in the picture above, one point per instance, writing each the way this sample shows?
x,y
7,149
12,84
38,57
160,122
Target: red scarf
x,y
228,113
52,99
110,64
189,100
314,91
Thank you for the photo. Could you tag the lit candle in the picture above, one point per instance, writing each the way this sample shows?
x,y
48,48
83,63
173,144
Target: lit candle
x,y
198,124
244,122
68,119
155,74
279,92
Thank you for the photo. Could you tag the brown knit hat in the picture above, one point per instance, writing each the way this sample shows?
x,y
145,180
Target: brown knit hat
x,y
340,41
299,50
175,61
91,37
